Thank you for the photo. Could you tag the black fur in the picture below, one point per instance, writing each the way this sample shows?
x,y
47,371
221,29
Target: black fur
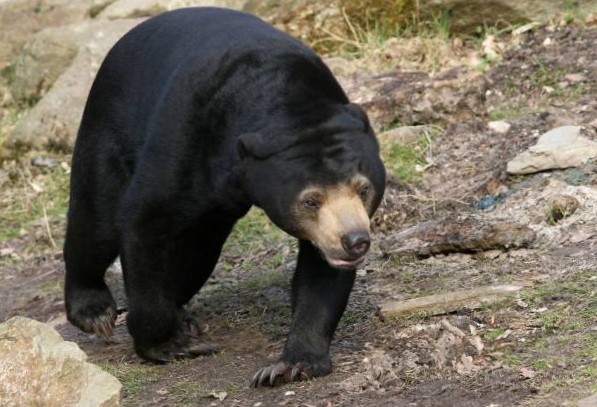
x,y
195,115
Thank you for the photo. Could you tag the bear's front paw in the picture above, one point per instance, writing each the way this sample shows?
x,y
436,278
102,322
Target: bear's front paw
x,y
283,372
93,311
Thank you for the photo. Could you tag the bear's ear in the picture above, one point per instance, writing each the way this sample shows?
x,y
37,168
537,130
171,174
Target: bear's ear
x,y
253,145
358,113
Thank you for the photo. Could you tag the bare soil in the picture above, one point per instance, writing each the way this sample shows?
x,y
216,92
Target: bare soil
x,y
536,349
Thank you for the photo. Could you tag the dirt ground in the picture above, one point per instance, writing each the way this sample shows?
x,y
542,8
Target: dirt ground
x,y
537,348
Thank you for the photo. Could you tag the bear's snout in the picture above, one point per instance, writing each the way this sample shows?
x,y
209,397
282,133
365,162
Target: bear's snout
x,y
356,244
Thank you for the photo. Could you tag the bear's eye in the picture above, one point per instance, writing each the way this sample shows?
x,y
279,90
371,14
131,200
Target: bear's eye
x,y
311,204
364,192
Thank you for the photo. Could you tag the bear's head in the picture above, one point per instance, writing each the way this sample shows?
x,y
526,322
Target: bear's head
x,y
321,183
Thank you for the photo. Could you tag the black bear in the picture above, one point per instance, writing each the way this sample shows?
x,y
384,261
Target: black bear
x,y
196,115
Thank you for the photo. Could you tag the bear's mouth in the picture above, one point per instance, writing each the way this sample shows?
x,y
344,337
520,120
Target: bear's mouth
x,y
345,264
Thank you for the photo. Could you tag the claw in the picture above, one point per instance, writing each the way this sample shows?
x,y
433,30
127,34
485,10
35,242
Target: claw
x,y
255,379
103,326
203,349
267,376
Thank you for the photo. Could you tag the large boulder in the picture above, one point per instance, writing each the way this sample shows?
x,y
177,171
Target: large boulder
x,y
38,368
53,122
146,8
20,19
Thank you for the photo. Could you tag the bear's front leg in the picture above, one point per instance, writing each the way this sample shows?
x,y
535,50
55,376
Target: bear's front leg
x,y
319,296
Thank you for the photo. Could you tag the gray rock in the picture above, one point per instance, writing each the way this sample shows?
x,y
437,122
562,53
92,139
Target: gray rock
x,y
41,62
54,120
562,147
20,19
38,367
468,234
146,8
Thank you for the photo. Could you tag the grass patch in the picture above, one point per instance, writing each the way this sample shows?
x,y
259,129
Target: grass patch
x,y
510,112
188,392
134,378
406,160
492,334
8,119
32,197
545,75
254,231
256,243
377,45
562,349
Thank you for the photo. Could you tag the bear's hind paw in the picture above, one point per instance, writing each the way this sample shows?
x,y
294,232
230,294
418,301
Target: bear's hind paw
x,y
173,350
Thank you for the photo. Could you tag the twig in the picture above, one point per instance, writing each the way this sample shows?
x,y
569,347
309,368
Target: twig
x,y
349,24
47,224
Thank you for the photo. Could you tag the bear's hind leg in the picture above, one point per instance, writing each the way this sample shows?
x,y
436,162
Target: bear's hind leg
x,y
162,329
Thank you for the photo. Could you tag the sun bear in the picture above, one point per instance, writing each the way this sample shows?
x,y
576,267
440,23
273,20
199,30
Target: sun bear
x,y
196,115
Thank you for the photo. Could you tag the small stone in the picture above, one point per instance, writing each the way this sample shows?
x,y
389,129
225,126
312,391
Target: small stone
x,y
6,251
486,203
290,393
547,42
548,90
218,395
575,77
258,404
41,161
499,126
527,373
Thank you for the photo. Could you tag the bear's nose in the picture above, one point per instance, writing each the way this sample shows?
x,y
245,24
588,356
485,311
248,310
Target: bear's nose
x,y
356,243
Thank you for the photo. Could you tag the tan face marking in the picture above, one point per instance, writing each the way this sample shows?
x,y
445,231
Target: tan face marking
x,y
326,213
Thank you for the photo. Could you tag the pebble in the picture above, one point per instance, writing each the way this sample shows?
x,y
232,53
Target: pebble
x,y
574,77
42,161
499,126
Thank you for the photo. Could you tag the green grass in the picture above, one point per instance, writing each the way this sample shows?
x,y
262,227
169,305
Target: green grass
x,y
251,236
403,158
510,112
134,378
188,393
8,120
34,198
253,230
563,335
546,75
492,334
